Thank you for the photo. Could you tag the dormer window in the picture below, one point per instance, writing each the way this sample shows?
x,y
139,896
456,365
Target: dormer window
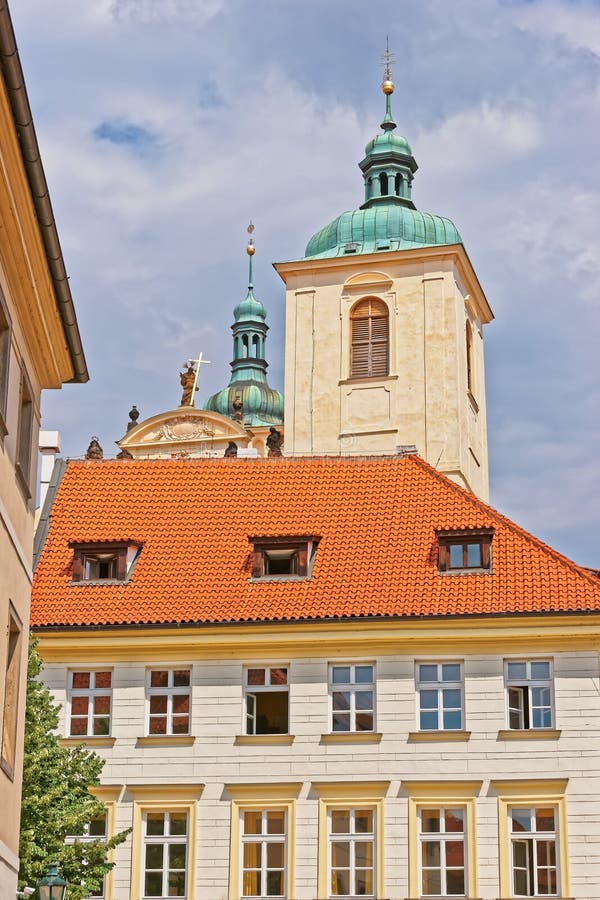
x,y
283,558
103,563
465,551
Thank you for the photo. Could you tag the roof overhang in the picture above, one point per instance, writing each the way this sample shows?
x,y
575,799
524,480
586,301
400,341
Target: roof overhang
x,y
38,211
455,253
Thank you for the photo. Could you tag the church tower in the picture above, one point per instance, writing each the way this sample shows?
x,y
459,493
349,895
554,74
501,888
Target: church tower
x,y
384,328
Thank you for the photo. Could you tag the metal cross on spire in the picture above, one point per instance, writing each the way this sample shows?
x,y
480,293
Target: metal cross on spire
x,y
250,250
387,86
387,60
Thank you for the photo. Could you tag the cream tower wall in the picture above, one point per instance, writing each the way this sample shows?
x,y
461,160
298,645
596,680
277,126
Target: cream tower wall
x,y
424,401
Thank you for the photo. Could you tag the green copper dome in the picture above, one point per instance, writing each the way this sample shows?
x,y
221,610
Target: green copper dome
x,y
388,219
248,397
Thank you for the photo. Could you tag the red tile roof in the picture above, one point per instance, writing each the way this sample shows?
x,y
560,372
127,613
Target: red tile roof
x,y
377,556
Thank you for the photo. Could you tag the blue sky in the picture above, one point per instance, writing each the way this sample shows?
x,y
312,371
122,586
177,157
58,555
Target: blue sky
x,y
165,125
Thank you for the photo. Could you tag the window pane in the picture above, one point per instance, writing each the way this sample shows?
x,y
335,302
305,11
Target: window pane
x,y
274,884
544,819
431,854
541,718
516,671
256,676
340,883
341,721
540,671
154,856
363,853
178,823
450,671
158,725
428,672
276,822
181,724
364,674
432,882
78,727
181,678
340,821
520,854
278,676
364,883
101,705
159,678
430,820
340,853
103,679
340,675
153,884
456,556
251,885
98,827
455,853
364,699
155,823
176,884
79,706
474,555
428,721
452,720
275,855
429,699
363,821
158,704
252,822
451,698
341,700
364,721
101,725
81,679
181,703
453,819
252,855
521,819
455,883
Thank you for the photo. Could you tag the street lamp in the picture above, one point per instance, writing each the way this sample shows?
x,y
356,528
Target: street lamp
x,y
52,886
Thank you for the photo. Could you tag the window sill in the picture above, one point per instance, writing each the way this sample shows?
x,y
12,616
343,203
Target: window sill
x,y
264,739
99,582
437,737
165,740
22,481
529,734
278,578
91,740
368,379
352,737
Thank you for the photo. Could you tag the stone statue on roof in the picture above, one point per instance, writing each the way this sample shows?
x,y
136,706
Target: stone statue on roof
x,y
274,442
188,383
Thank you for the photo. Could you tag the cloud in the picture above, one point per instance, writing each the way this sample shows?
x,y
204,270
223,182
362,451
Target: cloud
x,y
127,133
153,12
576,22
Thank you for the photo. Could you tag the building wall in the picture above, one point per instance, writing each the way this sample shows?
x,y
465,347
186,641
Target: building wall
x,y
399,768
423,401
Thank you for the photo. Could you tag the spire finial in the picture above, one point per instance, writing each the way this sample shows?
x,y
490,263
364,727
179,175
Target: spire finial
x,y
250,250
387,86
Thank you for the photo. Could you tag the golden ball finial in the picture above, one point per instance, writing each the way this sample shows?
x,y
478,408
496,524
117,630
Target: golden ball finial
x,y
388,86
250,249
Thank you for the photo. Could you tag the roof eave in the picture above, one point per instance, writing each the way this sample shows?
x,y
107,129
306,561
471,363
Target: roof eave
x,y
12,73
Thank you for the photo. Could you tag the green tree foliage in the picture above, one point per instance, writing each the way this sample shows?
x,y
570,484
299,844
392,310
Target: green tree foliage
x,y
56,801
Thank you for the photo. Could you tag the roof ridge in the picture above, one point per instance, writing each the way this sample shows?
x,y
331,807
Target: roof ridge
x,y
517,529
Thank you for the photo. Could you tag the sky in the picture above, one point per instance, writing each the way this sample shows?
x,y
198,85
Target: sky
x,y
166,125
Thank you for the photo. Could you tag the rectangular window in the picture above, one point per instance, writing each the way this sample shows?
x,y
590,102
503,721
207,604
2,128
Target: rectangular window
x,y
266,699
5,336
442,852
533,851
169,701
440,693
529,693
283,557
464,551
90,699
165,853
111,561
12,677
352,691
96,830
263,853
25,430
351,852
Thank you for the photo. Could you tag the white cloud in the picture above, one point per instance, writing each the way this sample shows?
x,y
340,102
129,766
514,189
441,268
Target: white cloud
x,y
577,23
166,11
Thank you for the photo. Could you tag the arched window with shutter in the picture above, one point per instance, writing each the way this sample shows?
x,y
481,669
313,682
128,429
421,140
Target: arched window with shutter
x,y
369,328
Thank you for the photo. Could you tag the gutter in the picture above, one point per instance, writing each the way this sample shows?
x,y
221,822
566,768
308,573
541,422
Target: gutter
x,y
12,73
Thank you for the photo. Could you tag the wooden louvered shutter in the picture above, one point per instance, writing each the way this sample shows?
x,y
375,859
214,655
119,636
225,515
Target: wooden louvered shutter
x,y
369,351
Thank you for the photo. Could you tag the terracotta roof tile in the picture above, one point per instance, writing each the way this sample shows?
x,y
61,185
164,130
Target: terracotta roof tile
x,y
377,557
